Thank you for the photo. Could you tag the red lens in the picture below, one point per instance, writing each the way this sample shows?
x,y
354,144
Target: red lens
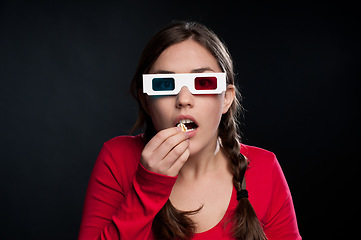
x,y
205,83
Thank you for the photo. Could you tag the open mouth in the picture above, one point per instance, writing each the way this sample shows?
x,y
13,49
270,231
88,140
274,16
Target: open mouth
x,y
187,125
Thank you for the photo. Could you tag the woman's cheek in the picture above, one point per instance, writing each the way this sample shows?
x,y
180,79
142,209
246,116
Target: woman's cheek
x,y
160,112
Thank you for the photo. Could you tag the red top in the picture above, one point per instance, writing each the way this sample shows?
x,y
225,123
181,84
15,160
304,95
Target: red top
x,y
123,197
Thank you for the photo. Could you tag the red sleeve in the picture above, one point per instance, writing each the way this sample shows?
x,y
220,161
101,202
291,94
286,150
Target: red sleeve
x,y
122,197
281,222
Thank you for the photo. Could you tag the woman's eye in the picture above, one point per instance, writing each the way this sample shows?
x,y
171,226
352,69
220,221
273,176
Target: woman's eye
x,y
163,84
166,84
205,83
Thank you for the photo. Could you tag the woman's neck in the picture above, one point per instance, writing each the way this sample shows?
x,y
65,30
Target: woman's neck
x,y
211,158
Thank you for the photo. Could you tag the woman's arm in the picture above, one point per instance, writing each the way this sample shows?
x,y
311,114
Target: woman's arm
x,y
112,213
123,197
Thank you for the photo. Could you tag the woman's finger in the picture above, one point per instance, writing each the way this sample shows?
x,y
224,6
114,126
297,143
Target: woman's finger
x,y
160,137
178,164
169,144
175,153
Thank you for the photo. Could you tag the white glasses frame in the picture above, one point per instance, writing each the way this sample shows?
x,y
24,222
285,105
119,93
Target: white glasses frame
x,y
181,80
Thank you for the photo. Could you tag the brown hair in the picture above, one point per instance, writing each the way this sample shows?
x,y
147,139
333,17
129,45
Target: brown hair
x,y
171,223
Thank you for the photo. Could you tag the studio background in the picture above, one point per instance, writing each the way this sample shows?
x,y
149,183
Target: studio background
x,y
65,73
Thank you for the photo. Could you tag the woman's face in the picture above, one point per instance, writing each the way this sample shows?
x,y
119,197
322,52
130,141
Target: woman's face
x,y
204,110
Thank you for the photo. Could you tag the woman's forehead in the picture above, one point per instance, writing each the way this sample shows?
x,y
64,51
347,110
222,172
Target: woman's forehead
x,y
185,57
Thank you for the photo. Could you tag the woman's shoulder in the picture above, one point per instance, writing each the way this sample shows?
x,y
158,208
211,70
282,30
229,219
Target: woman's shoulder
x,y
120,158
257,155
125,143
126,140
123,151
264,178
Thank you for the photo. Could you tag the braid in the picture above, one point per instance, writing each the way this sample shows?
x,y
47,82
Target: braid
x,y
171,223
245,223
230,143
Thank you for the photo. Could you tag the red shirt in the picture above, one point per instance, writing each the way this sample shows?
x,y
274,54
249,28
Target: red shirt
x,y
123,197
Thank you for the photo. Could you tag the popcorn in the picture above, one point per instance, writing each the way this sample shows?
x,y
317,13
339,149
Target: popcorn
x,y
183,126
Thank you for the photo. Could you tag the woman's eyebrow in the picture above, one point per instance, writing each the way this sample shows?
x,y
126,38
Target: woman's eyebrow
x,y
203,69
197,70
163,72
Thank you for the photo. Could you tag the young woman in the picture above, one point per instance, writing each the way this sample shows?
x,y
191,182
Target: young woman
x,y
186,176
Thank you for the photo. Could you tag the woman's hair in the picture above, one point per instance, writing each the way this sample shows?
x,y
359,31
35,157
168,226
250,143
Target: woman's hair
x,y
171,223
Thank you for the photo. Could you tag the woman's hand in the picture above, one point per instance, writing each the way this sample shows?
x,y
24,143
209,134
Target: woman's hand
x,y
166,152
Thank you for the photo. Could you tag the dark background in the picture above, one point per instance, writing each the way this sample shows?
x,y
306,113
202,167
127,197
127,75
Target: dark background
x,y
65,71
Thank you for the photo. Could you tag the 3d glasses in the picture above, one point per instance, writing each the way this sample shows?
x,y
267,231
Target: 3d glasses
x,y
171,84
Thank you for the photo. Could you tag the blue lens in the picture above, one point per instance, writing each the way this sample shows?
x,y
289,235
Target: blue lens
x,y
163,84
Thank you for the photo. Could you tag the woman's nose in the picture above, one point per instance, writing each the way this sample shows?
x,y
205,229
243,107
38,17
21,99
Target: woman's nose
x,y
184,98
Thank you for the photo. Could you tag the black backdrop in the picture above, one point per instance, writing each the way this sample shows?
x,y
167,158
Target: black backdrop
x,y
65,71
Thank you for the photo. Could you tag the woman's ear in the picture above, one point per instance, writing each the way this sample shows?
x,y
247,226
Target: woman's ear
x,y
143,101
229,96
